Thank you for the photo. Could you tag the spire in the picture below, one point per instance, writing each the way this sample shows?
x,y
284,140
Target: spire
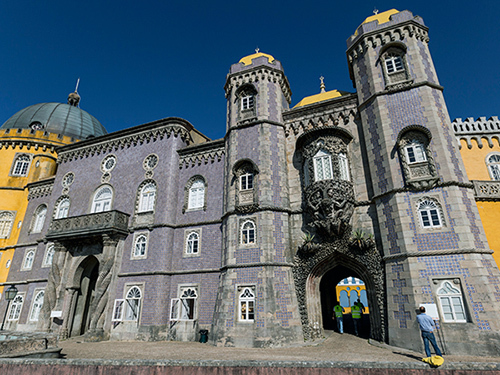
x,y
322,86
74,98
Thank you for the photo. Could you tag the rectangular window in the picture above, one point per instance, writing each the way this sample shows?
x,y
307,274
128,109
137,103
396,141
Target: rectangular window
x,y
247,102
246,181
118,310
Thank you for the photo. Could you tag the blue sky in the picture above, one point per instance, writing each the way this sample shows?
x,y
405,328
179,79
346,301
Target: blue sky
x,y
142,61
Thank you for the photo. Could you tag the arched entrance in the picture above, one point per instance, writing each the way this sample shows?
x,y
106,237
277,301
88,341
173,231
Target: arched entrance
x,y
343,285
317,275
87,272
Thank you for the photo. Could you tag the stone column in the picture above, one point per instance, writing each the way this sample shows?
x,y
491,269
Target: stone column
x,y
100,300
53,289
70,299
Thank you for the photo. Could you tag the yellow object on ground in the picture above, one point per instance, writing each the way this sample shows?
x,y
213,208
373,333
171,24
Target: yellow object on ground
x,y
435,360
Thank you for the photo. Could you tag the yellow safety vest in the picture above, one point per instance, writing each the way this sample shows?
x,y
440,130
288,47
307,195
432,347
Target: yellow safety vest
x,y
338,311
356,312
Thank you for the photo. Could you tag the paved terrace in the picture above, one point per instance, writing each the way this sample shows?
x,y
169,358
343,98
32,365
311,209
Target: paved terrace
x,y
337,354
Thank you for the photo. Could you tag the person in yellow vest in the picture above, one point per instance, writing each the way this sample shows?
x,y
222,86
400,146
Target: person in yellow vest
x,y
356,317
338,314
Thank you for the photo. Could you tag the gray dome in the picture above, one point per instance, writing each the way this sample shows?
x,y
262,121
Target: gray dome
x,y
57,118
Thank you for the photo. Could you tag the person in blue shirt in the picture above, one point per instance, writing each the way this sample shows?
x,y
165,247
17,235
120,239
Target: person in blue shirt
x,y
427,327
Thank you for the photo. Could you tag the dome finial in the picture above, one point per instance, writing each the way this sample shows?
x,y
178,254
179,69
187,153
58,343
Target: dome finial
x,y
322,86
74,98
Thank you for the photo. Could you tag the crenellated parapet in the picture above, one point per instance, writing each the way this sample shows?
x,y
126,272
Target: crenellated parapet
x,y
402,25
258,74
339,112
477,130
166,128
206,153
28,139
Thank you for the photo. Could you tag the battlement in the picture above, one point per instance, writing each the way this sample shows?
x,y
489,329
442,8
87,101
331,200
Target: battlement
x,y
478,130
20,134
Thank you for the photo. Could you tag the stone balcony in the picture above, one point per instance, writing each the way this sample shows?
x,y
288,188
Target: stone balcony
x,y
487,190
108,222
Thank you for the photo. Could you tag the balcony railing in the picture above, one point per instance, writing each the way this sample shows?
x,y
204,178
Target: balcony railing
x,y
487,190
108,222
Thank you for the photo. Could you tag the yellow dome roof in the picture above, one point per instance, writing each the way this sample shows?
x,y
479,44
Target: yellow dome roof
x,y
381,17
318,98
247,60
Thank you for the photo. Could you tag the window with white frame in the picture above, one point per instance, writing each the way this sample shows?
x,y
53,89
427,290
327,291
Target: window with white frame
x,y
344,167
102,200
62,209
247,304
29,257
247,102
192,243
39,218
49,255
184,308
147,197
322,162
15,308
6,221
246,181
451,303
196,197
21,165
430,216
247,233
393,63
132,304
415,152
140,246
493,163
37,306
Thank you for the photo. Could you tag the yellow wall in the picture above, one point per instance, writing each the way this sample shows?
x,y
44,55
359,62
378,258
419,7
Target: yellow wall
x,y
475,165
348,289
13,191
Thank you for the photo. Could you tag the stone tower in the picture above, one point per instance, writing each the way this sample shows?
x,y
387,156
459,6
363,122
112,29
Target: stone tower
x,y
434,247
256,301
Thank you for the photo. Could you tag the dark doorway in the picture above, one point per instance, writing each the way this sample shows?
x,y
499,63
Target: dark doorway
x,y
81,318
343,285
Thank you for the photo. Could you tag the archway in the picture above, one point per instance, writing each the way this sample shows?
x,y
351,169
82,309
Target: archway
x,y
345,286
87,271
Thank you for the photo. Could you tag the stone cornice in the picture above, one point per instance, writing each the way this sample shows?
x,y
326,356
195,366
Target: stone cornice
x,y
41,188
413,254
29,144
478,130
258,73
329,113
127,138
398,89
384,35
203,153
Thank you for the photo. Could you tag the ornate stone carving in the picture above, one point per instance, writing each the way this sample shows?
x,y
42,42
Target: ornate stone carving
x,y
38,190
330,205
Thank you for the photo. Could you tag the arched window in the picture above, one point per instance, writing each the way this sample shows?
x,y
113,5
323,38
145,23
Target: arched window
x,y
15,308
322,165
429,213
147,197
451,303
39,218
196,197
102,200
192,243
140,246
132,303
344,167
28,260
415,151
21,165
37,306
62,209
493,163
184,308
247,305
248,233
49,256
6,221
